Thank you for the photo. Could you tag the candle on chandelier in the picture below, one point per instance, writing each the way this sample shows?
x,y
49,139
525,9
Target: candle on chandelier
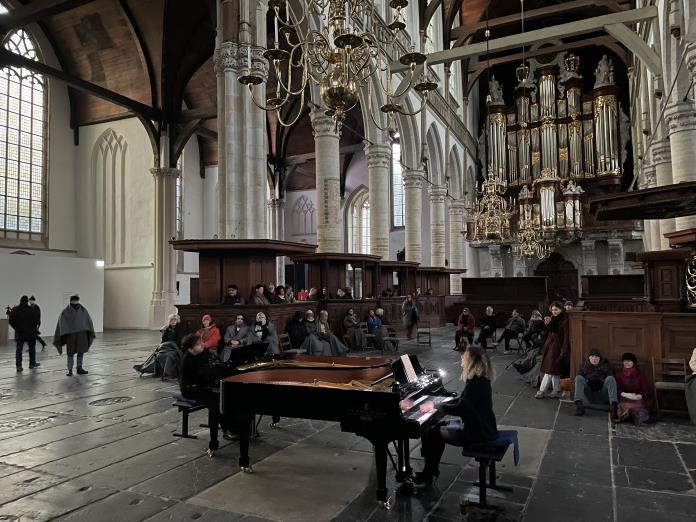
x,y
276,29
249,56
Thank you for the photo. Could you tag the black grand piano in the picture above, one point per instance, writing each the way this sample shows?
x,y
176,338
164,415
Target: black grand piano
x,y
364,394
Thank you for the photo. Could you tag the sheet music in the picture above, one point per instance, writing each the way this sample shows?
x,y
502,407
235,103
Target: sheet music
x,y
408,369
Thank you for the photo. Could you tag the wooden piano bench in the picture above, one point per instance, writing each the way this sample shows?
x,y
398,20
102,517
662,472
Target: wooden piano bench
x,y
185,407
487,456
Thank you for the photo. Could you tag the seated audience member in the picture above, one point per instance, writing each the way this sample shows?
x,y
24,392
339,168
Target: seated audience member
x,y
281,295
296,330
535,327
340,294
476,423
320,340
351,324
429,291
466,324
209,334
634,394
289,294
568,305
312,295
236,335
379,312
691,388
233,297
270,294
173,333
373,322
488,328
197,381
324,293
264,332
514,326
259,296
348,293
375,326
595,384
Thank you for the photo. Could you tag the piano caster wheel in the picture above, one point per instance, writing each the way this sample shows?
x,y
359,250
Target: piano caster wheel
x,y
387,504
211,453
247,469
275,425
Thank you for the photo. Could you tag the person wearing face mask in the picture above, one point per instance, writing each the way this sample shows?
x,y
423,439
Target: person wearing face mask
x,y
264,332
634,394
75,331
236,335
209,334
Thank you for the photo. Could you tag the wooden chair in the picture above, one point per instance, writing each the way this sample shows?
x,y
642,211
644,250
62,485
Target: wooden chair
x,y
370,337
668,375
285,345
392,337
423,331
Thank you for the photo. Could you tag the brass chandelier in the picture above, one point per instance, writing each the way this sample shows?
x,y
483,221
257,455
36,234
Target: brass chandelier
x,y
348,53
491,213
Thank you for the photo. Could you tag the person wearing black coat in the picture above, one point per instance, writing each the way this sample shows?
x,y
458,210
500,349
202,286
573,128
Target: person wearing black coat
x,y
488,328
476,423
173,332
296,330
24,320
37,311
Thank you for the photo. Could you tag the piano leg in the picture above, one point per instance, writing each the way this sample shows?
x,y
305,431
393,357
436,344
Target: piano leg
x,y
408,470
381,463
244,425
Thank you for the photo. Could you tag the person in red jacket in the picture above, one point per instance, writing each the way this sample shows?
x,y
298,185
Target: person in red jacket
x,y
634,394
465,327
209,334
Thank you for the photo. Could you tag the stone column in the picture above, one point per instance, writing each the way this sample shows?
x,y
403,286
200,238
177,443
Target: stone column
x,y
456,241
589,257
277,231
616,256
413,185
164,280
651,227
378,157
681,119
662,162
326,146
497,267
437,194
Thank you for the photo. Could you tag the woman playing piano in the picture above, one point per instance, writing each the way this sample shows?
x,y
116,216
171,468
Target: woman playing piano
x,y
476,424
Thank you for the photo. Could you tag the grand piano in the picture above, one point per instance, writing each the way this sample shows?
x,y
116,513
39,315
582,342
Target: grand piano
x,y
365,395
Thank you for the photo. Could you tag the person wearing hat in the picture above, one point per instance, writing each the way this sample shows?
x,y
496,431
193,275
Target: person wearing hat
x,y
26,325
172,331
209,334
75,331
632,387
595,384
568,305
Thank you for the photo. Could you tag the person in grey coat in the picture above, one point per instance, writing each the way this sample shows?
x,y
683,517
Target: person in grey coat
x,y
514,327
236,335
75,331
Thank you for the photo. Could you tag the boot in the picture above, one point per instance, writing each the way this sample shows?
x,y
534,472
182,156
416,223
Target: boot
x,y
579,409
35,365
614,411
69,374
81,371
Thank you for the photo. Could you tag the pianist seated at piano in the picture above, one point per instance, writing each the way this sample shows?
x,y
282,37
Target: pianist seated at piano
x,y
476,424
236,335
264,332
209,333
320,340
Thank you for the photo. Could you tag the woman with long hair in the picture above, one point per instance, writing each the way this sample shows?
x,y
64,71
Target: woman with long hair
x,y
554,352
476,423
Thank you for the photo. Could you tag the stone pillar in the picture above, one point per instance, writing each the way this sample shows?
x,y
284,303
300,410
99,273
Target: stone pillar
x,y
277,231
326,146
616,256
681,119
456,242
651,227
437,194
589,257
378,157
662,162
413,185
497,267
164,280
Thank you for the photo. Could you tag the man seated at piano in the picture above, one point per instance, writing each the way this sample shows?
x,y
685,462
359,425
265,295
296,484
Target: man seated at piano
x,y
264,332
197,383
476,424
320,340
236,335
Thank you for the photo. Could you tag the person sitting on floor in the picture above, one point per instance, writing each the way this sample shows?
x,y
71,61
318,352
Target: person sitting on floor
x,y
351,324
513,328
595,384
233,297
476,423
466,324
533,332
633,391
173,333
264,332
259,296
488,327
209,334
236,335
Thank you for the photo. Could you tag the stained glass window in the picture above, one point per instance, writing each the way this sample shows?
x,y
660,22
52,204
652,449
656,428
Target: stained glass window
x,y
359,224
22,139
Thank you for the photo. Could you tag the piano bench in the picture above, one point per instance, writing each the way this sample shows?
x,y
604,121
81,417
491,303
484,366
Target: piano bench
x,y
185,407
487,456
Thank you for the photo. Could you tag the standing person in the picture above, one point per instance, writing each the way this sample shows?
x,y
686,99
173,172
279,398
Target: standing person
x,y
25,322
37,311
514,327
409,314
76,331
488,328
466,323
554,350
209,334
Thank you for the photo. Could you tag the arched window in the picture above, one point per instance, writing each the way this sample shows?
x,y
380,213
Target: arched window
x,y
179,229
22,143
397,184
358,221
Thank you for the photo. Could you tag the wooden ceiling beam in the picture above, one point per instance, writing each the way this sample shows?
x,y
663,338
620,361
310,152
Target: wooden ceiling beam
x,y
206,134
36,11
8,58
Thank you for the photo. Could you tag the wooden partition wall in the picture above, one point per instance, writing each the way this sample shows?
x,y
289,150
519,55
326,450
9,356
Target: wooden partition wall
x,y
615,293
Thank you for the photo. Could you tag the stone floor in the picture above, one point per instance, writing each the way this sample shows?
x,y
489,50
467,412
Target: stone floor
x,y
100,447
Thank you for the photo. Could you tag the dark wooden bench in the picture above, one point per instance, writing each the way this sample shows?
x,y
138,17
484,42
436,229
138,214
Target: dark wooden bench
x,y
185,408
487,456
